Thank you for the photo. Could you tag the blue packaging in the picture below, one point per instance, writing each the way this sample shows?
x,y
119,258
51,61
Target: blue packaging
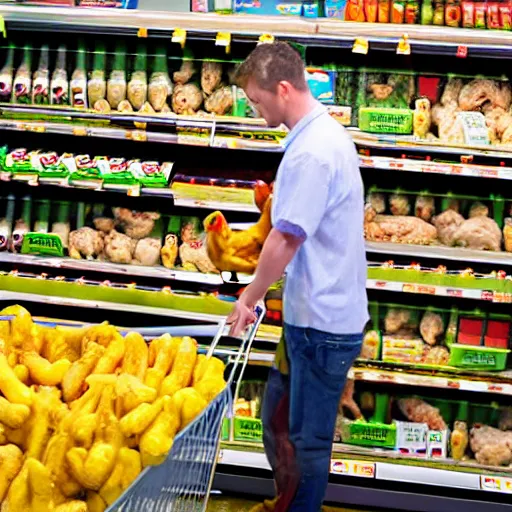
x,y
310,10
322,84
335,9
267,7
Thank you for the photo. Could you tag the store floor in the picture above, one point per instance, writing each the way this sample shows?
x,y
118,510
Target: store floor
x,y
232,504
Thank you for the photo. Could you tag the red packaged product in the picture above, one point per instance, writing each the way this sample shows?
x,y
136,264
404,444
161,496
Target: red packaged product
x,y
493,16
480,15
452,14
468,14
505,16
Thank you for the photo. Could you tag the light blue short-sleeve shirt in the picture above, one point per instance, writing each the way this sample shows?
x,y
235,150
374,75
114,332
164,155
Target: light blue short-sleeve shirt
x,y
318,196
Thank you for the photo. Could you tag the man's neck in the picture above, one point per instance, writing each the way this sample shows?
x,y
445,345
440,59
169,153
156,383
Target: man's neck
x,y
301,109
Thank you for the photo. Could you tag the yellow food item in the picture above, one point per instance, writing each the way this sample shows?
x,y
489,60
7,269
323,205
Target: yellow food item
x,y
140,418
11,461
13,415
22,325
11,387
21,371
126,470
199,368
157,440
182,369
73,381
3,435
40,487
210,387
73,506
56,346
73,337
18,496
39,427
131,392
207,368
189,404
95,502
112,357
162,352
42,371
83,429
101,334
135,361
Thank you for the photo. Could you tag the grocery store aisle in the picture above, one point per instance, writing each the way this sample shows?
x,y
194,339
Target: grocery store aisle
x,y
232,504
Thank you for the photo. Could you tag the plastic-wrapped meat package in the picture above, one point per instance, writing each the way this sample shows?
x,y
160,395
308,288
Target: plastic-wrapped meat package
x,y
400,322
186,99
506,418
220,102
186,72
399,205
377,201
439,356
478,210
447,224
491,446
418,411
211,76
424,207
507,234
479,233
431,327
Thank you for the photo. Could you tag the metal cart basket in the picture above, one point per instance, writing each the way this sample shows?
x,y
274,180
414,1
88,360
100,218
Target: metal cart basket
x,y
182,483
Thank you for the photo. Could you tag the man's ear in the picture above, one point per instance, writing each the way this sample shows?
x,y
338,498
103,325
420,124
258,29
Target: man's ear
x,y
284,88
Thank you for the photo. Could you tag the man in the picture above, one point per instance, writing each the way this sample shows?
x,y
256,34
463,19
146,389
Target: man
x,y
317,237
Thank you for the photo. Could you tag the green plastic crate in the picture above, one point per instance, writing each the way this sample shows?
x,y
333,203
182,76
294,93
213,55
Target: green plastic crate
x,y
478,358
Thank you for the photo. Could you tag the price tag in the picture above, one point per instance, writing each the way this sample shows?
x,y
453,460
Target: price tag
x,y
142,32
266,39
361,46
134,191
2,26
462,51
137,135
36,128
179,36
79,131
404,47
224,39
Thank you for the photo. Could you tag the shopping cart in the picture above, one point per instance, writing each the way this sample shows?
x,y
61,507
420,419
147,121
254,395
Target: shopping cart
x,y
182,483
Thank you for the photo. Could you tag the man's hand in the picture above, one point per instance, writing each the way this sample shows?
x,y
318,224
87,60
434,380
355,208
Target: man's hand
x,y
241,316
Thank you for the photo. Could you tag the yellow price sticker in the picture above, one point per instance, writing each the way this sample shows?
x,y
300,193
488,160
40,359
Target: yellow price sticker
x,y
79,131
224,39
404,47
142,32
266,39
2,26
179,36
361,46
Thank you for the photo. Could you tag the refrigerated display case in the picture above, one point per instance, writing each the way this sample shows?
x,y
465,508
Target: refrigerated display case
x,y
94,226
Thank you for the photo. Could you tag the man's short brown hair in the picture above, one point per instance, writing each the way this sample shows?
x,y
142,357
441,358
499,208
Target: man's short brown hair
x,y
269,64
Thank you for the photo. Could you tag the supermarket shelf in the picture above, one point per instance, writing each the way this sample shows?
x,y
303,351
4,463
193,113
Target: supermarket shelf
x,y
112,268
499,383
440,253
246,28
440,291
114,306
341,464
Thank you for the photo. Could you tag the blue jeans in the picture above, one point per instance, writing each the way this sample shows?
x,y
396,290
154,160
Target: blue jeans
x,y
299,414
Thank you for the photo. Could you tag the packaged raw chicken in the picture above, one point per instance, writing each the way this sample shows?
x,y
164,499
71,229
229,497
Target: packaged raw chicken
x,y
41,79
116,85
418,411
478,209
97,85
160,85
507,234
6,221
211,76
479,233
220,102
447,224
59,86
61,225
186,99
137,90
424,208
431,327
6,76
22,225
377,201
399,204
188,69
401,322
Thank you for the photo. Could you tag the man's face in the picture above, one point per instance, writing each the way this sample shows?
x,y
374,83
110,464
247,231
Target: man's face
x,y
270,105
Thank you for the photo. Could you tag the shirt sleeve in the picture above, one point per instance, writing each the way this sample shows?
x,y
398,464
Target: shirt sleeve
x,y
302,195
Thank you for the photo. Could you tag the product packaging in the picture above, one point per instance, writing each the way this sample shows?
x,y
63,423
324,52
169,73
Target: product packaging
x,y
59,87
6,76
41,79
411,438
437,444
322,84
468,14
335,9
78,85
384,11
268,7
22,85
438,18
453,13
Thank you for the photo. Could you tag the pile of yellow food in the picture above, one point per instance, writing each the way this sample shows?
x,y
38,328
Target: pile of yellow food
x,y
84,410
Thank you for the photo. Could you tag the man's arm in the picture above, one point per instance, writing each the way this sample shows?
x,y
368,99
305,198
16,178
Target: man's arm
x,y
278,250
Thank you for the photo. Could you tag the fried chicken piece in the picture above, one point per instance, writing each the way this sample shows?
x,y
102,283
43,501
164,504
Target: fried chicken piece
x,y
85,242
447,223
119,248
418,411
431,327
211,75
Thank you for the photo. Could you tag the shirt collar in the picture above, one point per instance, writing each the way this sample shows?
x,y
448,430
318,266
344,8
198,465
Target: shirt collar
x,y
302,124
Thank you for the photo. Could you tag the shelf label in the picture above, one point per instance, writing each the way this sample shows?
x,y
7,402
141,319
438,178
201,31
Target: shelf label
x,y
496,484
361,46
80,131
462,51
134,191
419,288
224,39
502,298
142,32
266,39
404,47
179,36
353,468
